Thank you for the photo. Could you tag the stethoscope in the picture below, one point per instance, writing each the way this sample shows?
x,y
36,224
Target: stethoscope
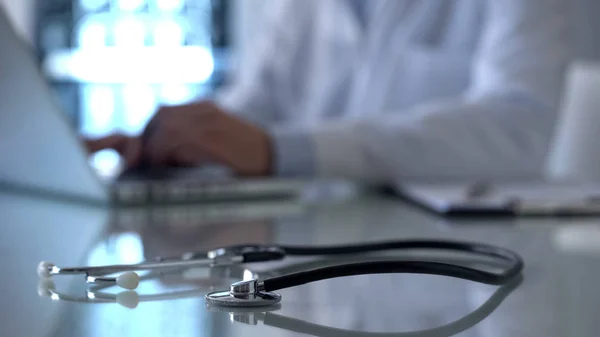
x,y
268,317
259,293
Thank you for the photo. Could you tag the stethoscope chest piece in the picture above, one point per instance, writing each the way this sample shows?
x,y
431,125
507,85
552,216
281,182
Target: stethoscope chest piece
x,y
244,294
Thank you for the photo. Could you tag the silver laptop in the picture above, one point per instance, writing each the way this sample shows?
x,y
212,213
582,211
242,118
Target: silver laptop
x,y
40,153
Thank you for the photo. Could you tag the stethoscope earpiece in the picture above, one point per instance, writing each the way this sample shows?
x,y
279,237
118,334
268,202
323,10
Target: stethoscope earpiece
x,y
128,299
44,269
128,280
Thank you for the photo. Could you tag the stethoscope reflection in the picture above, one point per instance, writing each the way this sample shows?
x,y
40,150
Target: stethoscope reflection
x,y
205,280
271,319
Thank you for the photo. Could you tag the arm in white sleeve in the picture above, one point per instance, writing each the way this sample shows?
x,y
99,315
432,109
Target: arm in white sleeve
x,y
501,128
259,89
293,153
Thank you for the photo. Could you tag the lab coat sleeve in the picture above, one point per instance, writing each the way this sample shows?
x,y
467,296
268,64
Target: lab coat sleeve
x,y
261,88
499,129
269,82
293,153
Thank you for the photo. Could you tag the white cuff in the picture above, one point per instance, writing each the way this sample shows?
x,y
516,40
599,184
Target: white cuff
x,y
341,153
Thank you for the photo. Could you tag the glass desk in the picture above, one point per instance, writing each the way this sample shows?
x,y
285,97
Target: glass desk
x,y
558,295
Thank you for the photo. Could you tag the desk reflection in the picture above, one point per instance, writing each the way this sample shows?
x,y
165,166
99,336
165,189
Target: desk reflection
x,y
134,235
270,318
165,291
559,296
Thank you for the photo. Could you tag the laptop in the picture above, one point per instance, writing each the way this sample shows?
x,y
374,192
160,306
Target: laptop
x,y
41,153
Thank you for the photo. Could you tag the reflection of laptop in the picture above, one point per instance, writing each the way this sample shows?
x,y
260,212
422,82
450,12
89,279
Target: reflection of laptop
x,y
39,152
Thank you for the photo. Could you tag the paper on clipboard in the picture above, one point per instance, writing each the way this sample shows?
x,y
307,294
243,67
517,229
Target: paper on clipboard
x,y
538,196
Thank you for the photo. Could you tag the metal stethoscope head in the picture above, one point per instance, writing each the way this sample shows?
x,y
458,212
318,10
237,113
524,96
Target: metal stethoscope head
x,y
257,293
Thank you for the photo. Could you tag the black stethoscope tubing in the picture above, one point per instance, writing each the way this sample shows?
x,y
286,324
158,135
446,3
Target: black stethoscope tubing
x,y
256,292
513,260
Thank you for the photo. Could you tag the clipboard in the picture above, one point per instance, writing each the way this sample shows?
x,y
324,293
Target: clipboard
x,y
504,199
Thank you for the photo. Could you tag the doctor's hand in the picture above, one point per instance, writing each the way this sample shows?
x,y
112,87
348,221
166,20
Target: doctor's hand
x,y
130,148
191,134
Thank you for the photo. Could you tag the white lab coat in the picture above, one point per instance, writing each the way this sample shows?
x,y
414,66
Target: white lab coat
x,y
429,89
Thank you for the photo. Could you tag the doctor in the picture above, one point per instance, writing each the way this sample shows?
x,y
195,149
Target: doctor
x,y
380,90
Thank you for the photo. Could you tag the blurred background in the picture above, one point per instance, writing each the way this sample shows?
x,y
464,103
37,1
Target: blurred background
x,y
111,63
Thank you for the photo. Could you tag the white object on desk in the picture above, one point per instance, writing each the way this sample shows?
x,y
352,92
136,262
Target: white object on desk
x,y
575,154
578,238
524,198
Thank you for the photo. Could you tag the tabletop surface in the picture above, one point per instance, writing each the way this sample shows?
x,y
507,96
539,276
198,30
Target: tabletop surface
x,y
557,296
